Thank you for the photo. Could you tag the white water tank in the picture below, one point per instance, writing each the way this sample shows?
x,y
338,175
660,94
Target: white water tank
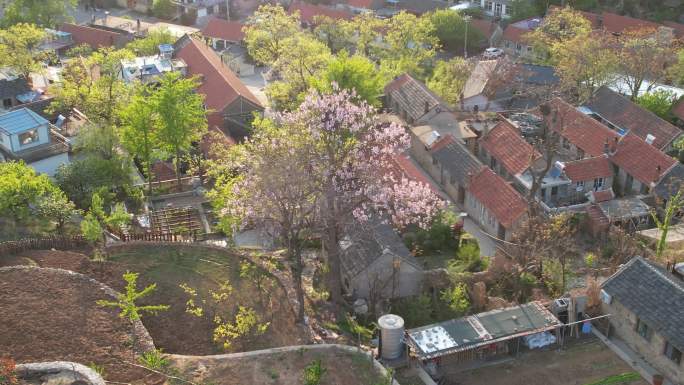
x,y
391,336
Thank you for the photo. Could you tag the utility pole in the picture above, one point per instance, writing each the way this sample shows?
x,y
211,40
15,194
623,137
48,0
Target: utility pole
x,y
466,19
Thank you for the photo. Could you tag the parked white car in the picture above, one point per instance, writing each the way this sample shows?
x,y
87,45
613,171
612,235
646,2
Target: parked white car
x,y
493,53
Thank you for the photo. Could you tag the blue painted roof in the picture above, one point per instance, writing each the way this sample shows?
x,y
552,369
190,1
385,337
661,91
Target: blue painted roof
x,y
20,120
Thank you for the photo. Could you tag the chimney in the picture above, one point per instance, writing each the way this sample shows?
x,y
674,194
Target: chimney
x,y
606,147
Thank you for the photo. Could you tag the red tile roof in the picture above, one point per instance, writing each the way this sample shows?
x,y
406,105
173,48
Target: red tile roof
x,y
224,30
588,169
581,130
500,198
486,27
406,167
514,34
94,37
642,161
368,4
615,23
307,12
442,142
219,84
505,144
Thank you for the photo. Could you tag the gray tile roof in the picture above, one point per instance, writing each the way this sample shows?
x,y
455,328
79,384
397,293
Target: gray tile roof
x,y
652,294
10,88
458,161
671,182
365,242
412,96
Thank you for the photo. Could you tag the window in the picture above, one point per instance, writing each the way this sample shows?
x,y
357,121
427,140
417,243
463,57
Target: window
x,y
643,330
497,9
7,103
644,189
674,354
529,48
488,5
580,183
28,137
518,46
598,184
492,163
554,191
543,193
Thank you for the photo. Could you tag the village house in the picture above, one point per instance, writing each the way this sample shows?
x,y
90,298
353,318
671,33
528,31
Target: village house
x,y
496,8
505,151
622,115
309,13
223,33
27,136
376,264
513,40
148,69
589,175
447,161
96,38
141,6
231,103
12,88
638,166
489,29
412,100
495,204
500,85
202,8
646,304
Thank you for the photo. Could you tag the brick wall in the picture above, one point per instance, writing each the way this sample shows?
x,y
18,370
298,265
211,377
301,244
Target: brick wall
x,y
623,323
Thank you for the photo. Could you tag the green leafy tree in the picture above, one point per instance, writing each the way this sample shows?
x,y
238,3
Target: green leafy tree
x,y
355,73
127,302
19,47
21,189
97,220
336,34
558,28
180,115
302,59
450,28
659,102
45,13
137,132
412,44
58,208
367,31
150,44
266,30
164,9
457,299
525,9
93,85
91,174
449,78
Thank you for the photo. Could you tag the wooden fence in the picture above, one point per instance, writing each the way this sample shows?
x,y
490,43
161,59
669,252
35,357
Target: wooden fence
x,y
55,242
158,237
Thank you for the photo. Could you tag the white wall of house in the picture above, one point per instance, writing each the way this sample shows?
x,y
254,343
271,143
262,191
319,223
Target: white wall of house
x,y
478,212
43,138
50,165
629,185
495,8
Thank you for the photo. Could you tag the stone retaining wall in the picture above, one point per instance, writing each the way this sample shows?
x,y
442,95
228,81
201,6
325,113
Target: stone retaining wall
x,y
58,372
143,339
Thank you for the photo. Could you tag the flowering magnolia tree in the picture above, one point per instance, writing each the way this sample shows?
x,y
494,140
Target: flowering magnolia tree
x,y
352,165
317,169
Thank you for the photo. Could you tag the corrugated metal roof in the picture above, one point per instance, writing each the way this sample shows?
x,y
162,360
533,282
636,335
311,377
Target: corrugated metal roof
x,y
20,120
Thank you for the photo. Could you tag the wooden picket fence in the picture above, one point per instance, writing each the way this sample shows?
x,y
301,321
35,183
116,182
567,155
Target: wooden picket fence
x,y
46,243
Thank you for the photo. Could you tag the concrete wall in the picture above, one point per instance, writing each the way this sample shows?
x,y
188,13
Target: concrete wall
x,y
50,165
634,188
381,276
481,215
624,324
438,173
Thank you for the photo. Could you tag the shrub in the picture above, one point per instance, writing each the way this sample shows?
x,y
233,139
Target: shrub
x,y
457,299
416,311
99,369
313,373
353,327
154,359
126,302
245,326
